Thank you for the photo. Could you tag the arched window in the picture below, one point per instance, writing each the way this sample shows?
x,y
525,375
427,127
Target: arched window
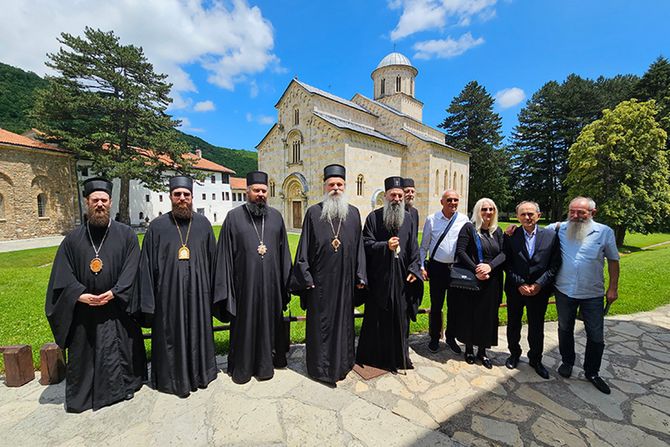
x,y
383,89
141,215
446,179
359,185
462,183
411,86
296,117
41,205
454,183
2,206
397,83
272,188
437,182
295,154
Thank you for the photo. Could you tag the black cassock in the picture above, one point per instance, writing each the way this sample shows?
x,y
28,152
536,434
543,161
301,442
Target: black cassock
x,y
176,302
391,300
105,350
415,217
253,291
330,304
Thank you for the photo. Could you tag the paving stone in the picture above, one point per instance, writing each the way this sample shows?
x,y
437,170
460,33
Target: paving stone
x,y
628,387
621,349
469,439
432,373
556,432
650,418
499,431
592,439
628,328
631,375
308,426
662,387
444,409
253,421
608,404
391,384
622,435
412,413
361,387
651,369
455,389
656,401
415,383
528,394
489,383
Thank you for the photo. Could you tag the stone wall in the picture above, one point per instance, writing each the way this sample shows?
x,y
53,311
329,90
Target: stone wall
x,y
26,173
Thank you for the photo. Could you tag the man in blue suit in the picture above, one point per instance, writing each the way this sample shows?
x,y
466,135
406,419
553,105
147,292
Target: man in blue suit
x,y
533,259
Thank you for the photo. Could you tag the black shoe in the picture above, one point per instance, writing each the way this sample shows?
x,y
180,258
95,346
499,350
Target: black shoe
x,y
469,358
512,362
129,396
599,383
434,345
565,370
486,362
540,370
453,345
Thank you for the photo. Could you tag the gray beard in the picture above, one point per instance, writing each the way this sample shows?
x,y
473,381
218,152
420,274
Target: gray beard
x,y
394,215
181,212
409,203
577,231
334,207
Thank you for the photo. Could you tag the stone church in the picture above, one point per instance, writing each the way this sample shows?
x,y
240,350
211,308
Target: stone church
x,y
374,138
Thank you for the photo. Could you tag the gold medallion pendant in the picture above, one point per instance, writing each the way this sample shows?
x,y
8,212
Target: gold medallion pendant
x,y
336,243
96,265
184,253
262,249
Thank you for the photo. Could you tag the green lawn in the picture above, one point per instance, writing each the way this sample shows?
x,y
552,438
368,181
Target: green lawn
x,y
24,276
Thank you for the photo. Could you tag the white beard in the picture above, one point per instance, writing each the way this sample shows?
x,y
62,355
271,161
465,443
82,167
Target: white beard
x,y
335,206
394,215
577,231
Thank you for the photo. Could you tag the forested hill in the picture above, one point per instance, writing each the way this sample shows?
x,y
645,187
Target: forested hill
x,y
17,88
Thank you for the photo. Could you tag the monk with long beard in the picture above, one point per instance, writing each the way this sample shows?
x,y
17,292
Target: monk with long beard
x,y
392,258
329,267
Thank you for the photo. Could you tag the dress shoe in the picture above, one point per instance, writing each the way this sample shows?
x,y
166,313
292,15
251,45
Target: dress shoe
x,y
599,383
129,396
486,362
540,370
469,358
512,361
565,370
453,346
434,345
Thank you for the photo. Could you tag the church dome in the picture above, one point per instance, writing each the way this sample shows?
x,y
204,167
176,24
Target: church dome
x,y
394,59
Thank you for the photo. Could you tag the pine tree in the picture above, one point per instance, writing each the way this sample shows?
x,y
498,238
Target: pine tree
x,y
104,103
472,125
655,84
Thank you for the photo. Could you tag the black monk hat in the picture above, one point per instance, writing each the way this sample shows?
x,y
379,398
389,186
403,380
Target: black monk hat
x,y
334,171
257,178
97,184
181,181
393,182
408,182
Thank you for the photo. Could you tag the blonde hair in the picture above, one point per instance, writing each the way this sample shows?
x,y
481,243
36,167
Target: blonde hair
x,y
477,215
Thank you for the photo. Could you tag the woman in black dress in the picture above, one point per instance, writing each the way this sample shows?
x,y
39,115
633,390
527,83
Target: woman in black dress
x,y
478,322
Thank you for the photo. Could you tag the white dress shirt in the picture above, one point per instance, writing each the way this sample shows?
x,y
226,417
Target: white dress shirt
x,y
432,229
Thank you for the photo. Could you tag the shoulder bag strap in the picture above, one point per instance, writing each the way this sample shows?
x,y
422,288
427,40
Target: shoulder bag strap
x,y
478,243
444,233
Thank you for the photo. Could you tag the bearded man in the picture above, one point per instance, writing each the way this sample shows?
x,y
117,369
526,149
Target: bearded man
x,y
89,308
580,285
174,291
329,266
253,265
395,287
410,193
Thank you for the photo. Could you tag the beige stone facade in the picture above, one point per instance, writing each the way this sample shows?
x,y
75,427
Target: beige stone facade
x,y
372,138
38,192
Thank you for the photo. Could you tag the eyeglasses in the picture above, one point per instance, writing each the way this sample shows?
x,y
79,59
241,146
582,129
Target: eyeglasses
x,y
451,200
180,193
488,209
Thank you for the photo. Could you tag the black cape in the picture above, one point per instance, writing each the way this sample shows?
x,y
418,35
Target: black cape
x,y
414,213
105,350
391,300
252,291
329,304
176,302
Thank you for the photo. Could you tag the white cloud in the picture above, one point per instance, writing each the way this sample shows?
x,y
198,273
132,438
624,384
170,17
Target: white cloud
x,y
204,106
446,48
509,97
423,15
185,125
230,40
260,119
253,89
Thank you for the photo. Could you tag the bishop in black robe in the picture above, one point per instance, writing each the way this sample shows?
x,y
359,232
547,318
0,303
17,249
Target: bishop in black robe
x,y
176,301
252,288
410,191
326,279
105,350
391,300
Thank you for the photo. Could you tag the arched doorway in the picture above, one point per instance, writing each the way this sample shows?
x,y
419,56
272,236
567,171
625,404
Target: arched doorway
x,y
377,199
295,200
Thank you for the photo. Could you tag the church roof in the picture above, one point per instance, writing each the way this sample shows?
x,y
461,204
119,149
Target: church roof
x,y
394,59
14,139
330,96
356,127
430,139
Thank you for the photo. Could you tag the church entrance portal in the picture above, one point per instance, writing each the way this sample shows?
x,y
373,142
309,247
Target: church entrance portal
x,y
295,201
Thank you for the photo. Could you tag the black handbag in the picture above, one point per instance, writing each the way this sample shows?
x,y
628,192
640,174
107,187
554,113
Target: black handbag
x,y
463,278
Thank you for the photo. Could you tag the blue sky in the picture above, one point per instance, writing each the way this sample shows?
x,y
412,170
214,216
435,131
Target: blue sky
x,y
230,61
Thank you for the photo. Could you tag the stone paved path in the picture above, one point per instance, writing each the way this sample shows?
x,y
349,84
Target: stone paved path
x,y
443,401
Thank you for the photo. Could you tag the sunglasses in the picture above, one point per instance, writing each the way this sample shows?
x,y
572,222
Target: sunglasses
x,y
488,209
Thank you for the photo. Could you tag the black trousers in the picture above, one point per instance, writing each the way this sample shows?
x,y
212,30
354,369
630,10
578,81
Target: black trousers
x,y
536,306
439,277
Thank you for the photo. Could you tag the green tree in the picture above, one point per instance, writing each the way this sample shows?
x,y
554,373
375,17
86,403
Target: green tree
x,y
104,103
472,125
621,162
655,84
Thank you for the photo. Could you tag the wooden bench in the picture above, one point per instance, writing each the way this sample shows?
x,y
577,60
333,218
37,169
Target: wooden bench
x,y
52,364
18,364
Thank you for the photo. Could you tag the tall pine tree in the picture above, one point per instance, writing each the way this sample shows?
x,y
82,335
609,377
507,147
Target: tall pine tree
x,y
472,125
655,84
104,103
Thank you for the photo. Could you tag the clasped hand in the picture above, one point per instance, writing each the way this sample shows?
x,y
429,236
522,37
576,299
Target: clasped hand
x,y
482,271
96,300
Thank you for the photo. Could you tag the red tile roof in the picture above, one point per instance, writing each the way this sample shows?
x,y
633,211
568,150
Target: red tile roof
x,y
238,183
14,139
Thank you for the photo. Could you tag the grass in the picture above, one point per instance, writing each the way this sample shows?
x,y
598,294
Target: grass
x,y
24,276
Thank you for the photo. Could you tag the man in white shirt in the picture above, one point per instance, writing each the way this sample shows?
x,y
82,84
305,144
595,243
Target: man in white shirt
x,y
439,270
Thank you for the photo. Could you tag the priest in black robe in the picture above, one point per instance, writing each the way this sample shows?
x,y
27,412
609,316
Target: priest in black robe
x,y
88,305
251,284
395,287
329,266
410,193
175,294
